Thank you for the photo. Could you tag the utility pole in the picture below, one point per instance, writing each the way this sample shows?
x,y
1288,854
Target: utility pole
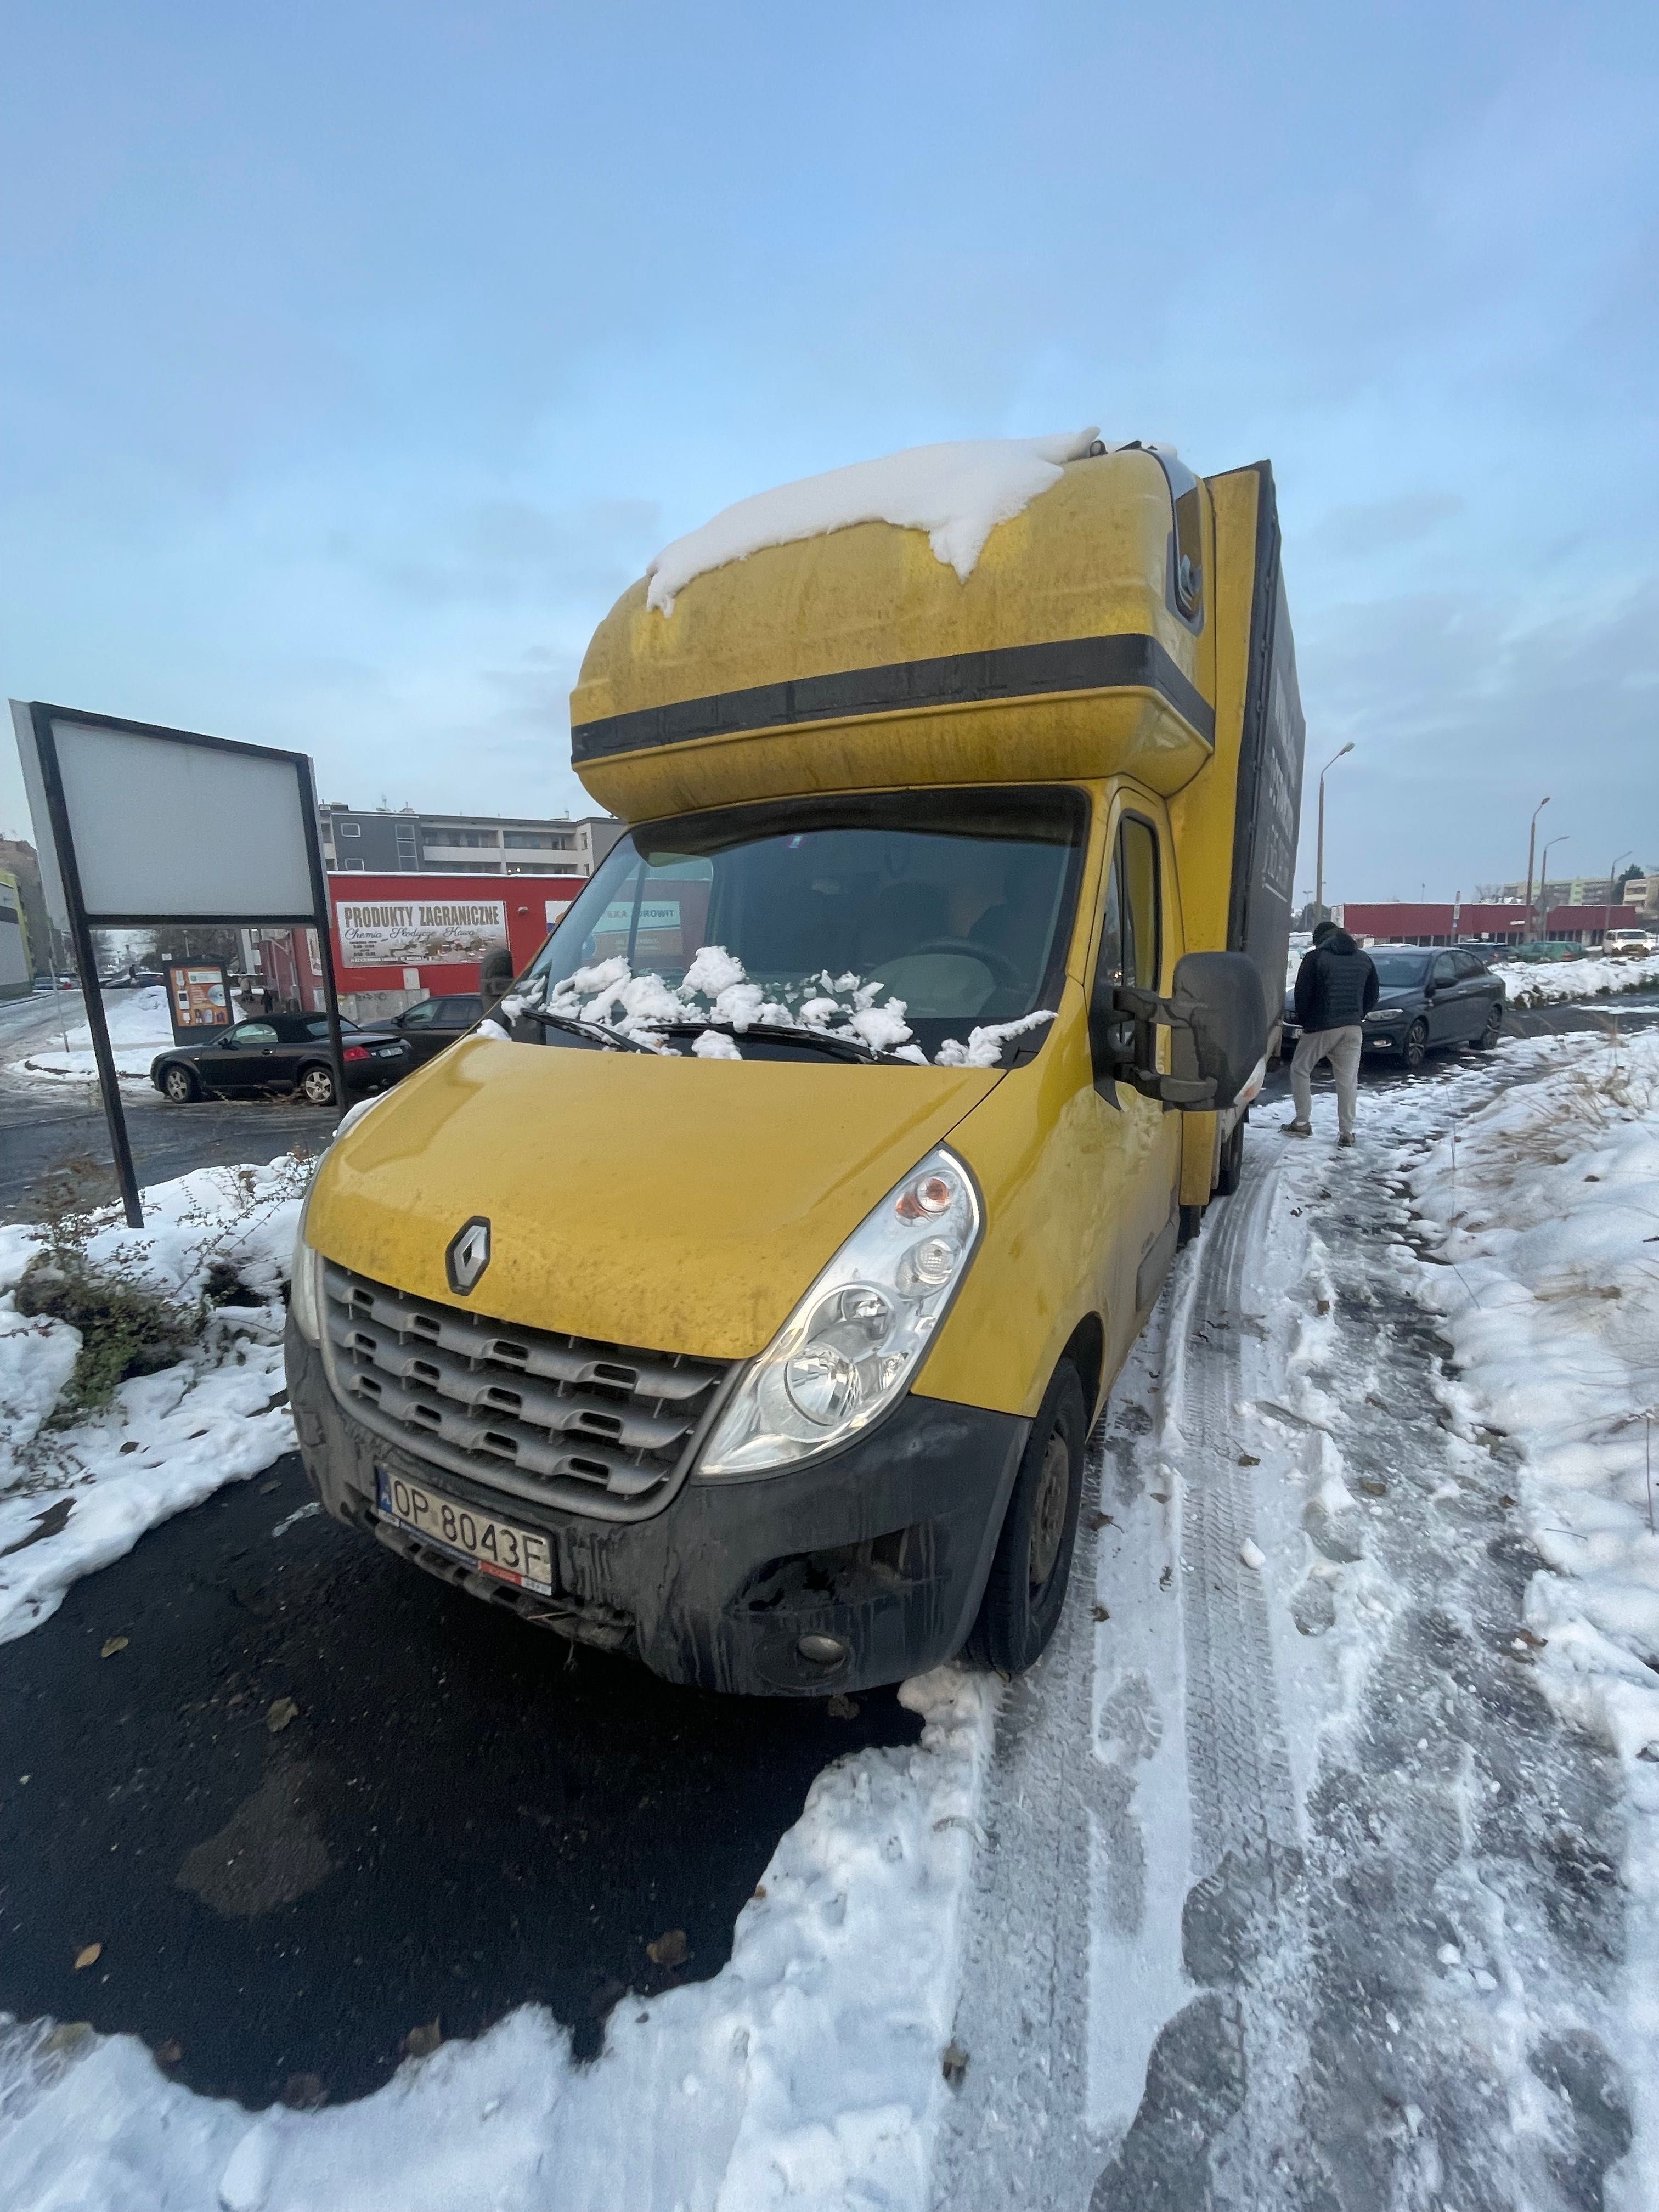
x,y
1607,911
1565,838
1319,879
1532,834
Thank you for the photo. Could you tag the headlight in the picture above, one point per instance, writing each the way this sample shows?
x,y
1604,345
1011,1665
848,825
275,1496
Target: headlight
x,y
853,1342
305,1293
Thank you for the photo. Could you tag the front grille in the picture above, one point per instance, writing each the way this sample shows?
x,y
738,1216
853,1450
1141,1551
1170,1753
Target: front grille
x,y
596,1427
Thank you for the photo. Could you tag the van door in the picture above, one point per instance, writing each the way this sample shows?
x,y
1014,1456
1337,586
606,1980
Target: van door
x,y
1136,927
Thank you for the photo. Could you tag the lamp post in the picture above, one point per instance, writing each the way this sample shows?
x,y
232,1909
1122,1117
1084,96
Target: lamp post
x,y
1607,911
1564,838
1532,833
1319,879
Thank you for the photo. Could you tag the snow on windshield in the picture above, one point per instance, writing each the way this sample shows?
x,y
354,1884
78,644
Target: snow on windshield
x,y
717,999
958,493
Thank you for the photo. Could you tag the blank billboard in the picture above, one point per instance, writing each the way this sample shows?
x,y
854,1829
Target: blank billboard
x,y
167,826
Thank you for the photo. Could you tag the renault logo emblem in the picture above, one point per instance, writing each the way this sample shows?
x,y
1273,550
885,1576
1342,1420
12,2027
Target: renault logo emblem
x,y
468,1254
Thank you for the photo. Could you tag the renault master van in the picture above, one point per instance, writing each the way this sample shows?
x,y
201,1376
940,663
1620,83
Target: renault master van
x,y
742,1294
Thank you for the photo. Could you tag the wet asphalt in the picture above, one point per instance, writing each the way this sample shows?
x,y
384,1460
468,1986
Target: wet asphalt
x,y
311,1803
318,1801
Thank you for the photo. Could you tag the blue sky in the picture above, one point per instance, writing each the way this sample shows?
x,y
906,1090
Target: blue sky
x,y
357,356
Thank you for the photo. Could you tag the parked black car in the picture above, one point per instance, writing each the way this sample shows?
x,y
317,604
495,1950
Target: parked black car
x,y
277,1053
427,1027
1424,999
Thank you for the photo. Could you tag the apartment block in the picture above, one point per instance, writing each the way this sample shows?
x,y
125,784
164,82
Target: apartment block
x,y
378,840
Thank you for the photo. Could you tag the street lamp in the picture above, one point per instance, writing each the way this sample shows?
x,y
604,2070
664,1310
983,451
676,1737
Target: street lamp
x,y
1564,838
1531,834
1319,881
1607,911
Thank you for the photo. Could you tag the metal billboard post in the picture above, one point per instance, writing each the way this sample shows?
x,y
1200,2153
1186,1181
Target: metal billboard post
x,y
86,959
324,928
128,786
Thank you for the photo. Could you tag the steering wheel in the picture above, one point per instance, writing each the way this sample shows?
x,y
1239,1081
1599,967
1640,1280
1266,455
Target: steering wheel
x,y
1002,968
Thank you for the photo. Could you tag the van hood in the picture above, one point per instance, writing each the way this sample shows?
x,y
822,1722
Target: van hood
x,y
667,1204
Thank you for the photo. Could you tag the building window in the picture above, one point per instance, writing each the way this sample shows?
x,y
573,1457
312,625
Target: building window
x,y
348,829
406,848
452,839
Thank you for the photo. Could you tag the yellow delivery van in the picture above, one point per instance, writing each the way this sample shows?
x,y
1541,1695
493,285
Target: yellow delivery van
x,y
742,1294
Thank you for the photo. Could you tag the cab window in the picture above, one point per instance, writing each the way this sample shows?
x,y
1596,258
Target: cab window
x,y
1131,950
1138,852
252,1033
420,1016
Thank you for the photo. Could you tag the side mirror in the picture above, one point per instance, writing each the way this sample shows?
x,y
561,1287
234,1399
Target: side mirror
x,y
1218,1016
1225,1010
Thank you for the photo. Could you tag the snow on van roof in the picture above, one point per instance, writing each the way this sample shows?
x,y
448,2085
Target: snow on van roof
x,y
958,493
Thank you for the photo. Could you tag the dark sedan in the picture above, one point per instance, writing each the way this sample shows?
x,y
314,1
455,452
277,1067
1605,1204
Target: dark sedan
x,y
1426,999
276,1055
427,1027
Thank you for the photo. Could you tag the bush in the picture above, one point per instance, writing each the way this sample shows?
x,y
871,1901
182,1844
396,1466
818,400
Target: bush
x,y
125,1330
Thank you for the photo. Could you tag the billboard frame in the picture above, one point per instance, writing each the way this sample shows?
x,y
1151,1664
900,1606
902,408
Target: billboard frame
x,y
42,715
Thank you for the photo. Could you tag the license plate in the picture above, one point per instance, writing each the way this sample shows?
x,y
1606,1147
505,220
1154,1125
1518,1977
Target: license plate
x,y
493,1547
388,1052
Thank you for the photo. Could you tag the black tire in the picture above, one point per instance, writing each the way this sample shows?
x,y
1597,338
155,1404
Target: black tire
x,y
1023,1598
1489,1035
317,1086
1232,1161
1415,1049
180,1085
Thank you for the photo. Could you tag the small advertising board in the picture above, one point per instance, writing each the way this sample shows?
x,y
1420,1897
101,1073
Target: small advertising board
x,y
199,997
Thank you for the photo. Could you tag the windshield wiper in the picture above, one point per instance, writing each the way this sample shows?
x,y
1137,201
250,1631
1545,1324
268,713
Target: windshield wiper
x,y
837,1048
598,1032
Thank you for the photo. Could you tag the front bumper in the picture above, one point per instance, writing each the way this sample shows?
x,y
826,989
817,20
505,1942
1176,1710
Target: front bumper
x,y
885,1547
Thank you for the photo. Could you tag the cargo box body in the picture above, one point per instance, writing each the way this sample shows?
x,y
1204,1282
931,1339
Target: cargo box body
x,y
858,661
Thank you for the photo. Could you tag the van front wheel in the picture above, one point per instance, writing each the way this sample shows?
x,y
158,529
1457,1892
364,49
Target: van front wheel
x,y
1033,1563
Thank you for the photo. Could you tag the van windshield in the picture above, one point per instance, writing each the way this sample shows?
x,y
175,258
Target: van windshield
x,y
910,920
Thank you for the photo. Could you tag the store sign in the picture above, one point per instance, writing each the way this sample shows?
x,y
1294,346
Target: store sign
x,y
199,997
412,932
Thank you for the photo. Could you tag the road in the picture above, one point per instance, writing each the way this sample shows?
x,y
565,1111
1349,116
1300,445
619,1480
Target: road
x,y
42,1126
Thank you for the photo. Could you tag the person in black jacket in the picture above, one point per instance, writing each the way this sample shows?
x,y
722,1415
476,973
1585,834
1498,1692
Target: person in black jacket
x,y
1335,989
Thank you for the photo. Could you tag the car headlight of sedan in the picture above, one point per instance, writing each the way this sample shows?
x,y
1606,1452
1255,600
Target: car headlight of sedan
x,y
848,1352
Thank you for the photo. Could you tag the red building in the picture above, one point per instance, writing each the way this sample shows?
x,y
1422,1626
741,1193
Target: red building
x,y
398,938
1402,921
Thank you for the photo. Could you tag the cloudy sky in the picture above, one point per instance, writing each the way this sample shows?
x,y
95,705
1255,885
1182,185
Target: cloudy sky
x,y
359,352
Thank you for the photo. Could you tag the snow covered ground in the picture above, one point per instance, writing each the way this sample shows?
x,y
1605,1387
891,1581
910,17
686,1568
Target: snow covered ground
x,y
73,1498
1321,1848
139,1027
1317,1864
1546,982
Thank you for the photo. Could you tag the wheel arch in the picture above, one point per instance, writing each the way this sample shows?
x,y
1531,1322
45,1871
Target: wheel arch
x,y
1086,1350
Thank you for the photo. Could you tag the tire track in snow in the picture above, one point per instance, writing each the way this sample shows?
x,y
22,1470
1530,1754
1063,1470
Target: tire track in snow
x,y
1219,2121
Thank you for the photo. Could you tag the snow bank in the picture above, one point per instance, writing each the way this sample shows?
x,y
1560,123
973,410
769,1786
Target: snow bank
x,y
1542,982
73,1499
958,493
808,2072
140,1026
1547,1205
